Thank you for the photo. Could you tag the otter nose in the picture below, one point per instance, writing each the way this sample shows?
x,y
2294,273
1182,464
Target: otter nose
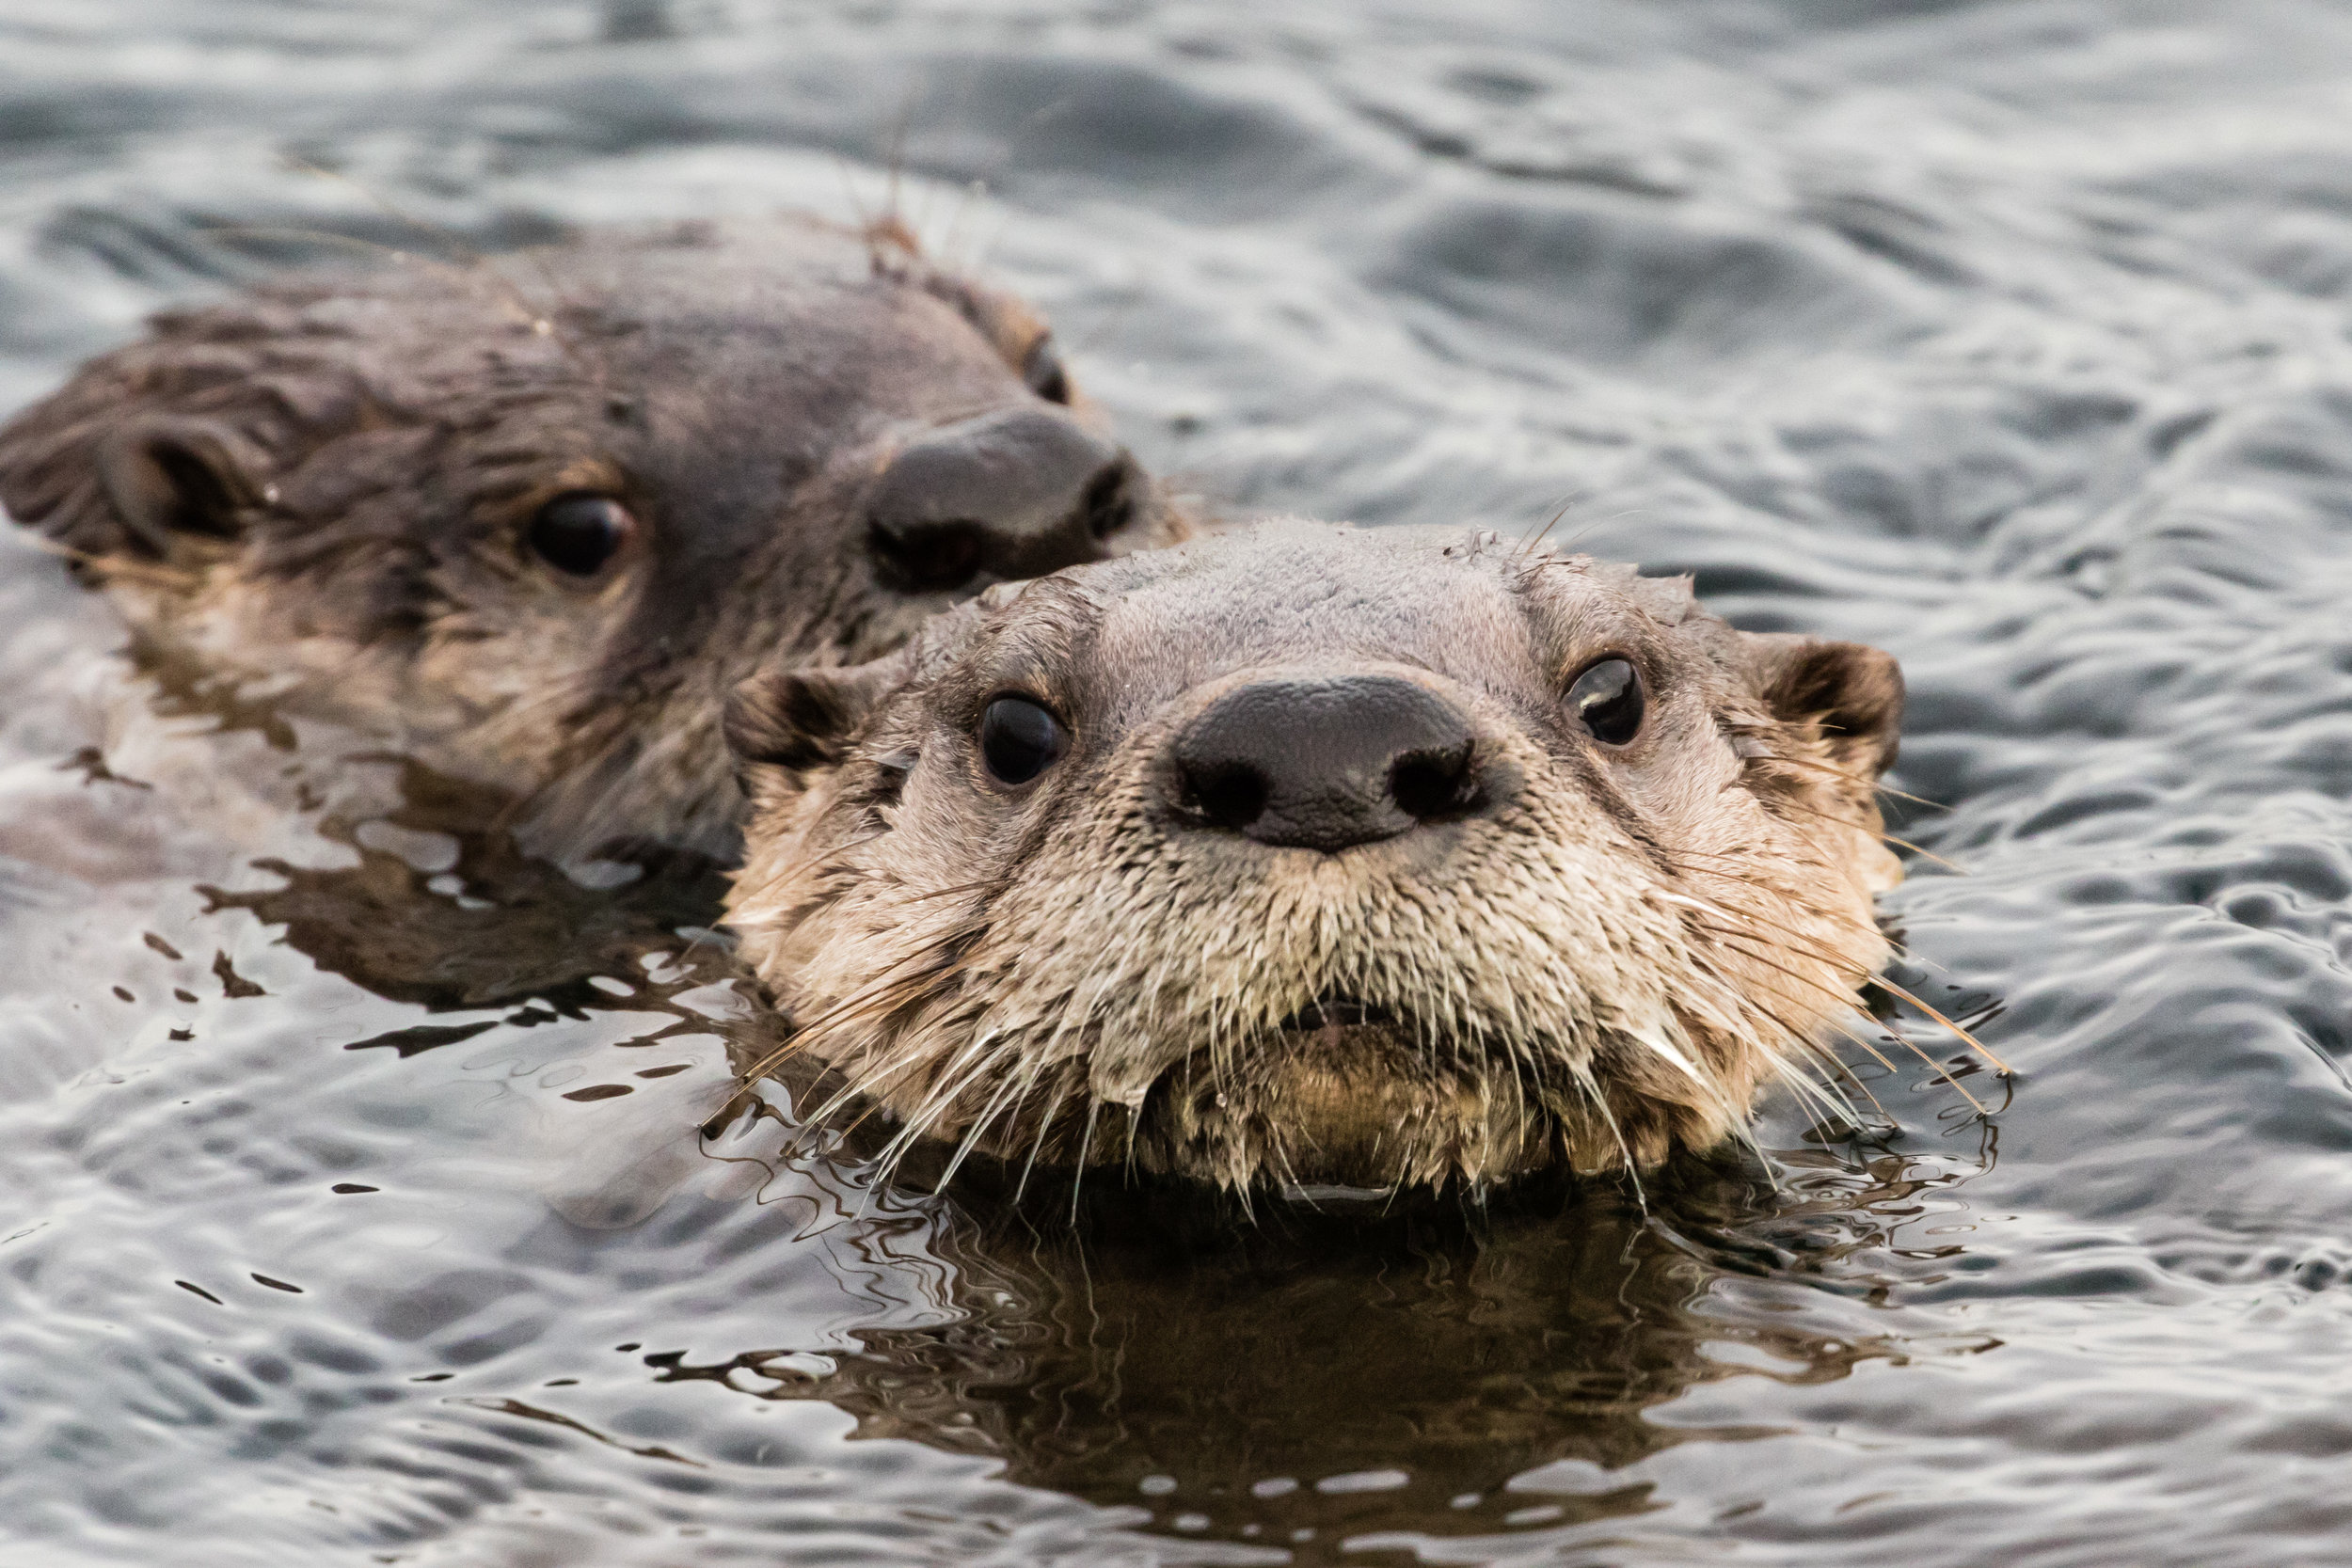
x,y
1014,494
1322,764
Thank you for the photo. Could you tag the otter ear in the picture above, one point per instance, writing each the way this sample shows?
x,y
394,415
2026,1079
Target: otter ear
x,y
128,483
1853,694
801,721
165,474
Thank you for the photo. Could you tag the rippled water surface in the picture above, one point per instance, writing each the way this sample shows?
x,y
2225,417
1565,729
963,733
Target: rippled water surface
x,y
2010,337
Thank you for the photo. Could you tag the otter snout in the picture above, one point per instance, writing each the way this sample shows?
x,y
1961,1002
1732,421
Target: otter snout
x,y
1324,763
1014,494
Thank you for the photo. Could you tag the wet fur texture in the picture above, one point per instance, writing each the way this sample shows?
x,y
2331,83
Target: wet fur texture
x,y
322,489
1598,968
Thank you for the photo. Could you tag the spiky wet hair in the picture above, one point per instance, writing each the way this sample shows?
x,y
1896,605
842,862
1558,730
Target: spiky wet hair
x,y
1597,968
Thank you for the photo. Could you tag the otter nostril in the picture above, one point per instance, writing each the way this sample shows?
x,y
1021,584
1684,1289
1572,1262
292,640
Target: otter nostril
x,y
1018,493
931,558
1327,762
1427,786
1109,503
1228,795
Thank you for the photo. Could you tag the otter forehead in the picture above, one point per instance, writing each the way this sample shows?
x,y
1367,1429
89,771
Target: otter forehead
x,y
1462,604
758,337
796,340
1305,594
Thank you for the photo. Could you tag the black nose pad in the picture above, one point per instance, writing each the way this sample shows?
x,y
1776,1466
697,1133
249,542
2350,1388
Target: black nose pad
x,y
1322,764
1014,494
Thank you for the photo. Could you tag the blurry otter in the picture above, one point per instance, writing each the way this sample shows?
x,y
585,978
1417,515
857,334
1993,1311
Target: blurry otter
x,y
530,534
1306,858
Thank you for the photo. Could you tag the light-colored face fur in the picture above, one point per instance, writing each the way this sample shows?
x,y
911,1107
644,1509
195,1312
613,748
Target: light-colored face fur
x,y
329,490
1593,962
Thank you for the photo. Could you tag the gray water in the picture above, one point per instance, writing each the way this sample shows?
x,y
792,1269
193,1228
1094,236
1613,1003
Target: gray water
x,y
2008,336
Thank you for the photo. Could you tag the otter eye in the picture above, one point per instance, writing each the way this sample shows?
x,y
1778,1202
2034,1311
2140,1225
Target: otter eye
x,y
1043,371
1607,700
577,534
1019,740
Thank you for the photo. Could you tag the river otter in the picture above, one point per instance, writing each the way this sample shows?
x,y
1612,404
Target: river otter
x,y
530,521
1304,857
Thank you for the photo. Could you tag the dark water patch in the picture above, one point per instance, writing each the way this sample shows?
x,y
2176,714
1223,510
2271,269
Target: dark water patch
x,y
420,1036
1236,1386
1622,285
1909,239
1154,138
475,923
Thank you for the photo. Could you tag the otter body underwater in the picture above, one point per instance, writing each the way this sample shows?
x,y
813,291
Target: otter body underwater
x,y
528,522
1306,856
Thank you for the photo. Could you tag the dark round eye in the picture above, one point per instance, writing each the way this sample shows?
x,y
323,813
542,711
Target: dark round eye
x,y
1607,700
1019,740
1043,371
579,533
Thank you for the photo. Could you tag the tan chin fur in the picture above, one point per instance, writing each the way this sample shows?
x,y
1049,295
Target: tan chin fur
x,y
1569,995
1352,1107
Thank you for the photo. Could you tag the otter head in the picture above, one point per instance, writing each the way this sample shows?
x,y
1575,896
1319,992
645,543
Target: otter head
x,y
1305,856
533,518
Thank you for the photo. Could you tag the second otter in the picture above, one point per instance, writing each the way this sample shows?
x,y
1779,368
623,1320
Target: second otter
x,y
529,522
1308,857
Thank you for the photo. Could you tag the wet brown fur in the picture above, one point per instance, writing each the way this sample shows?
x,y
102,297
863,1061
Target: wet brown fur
x,y
1600,969
321,487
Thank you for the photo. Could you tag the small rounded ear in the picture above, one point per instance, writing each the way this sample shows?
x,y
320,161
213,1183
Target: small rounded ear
x,y
104,483
805,721
1853,694
165,474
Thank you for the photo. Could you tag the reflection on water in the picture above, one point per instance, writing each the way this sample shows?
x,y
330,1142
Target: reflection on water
x,y
354,1202
443,910
1318,1377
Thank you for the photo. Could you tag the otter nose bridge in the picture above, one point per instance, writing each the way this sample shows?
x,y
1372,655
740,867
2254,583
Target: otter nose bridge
x,y
1014,494
1322,762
